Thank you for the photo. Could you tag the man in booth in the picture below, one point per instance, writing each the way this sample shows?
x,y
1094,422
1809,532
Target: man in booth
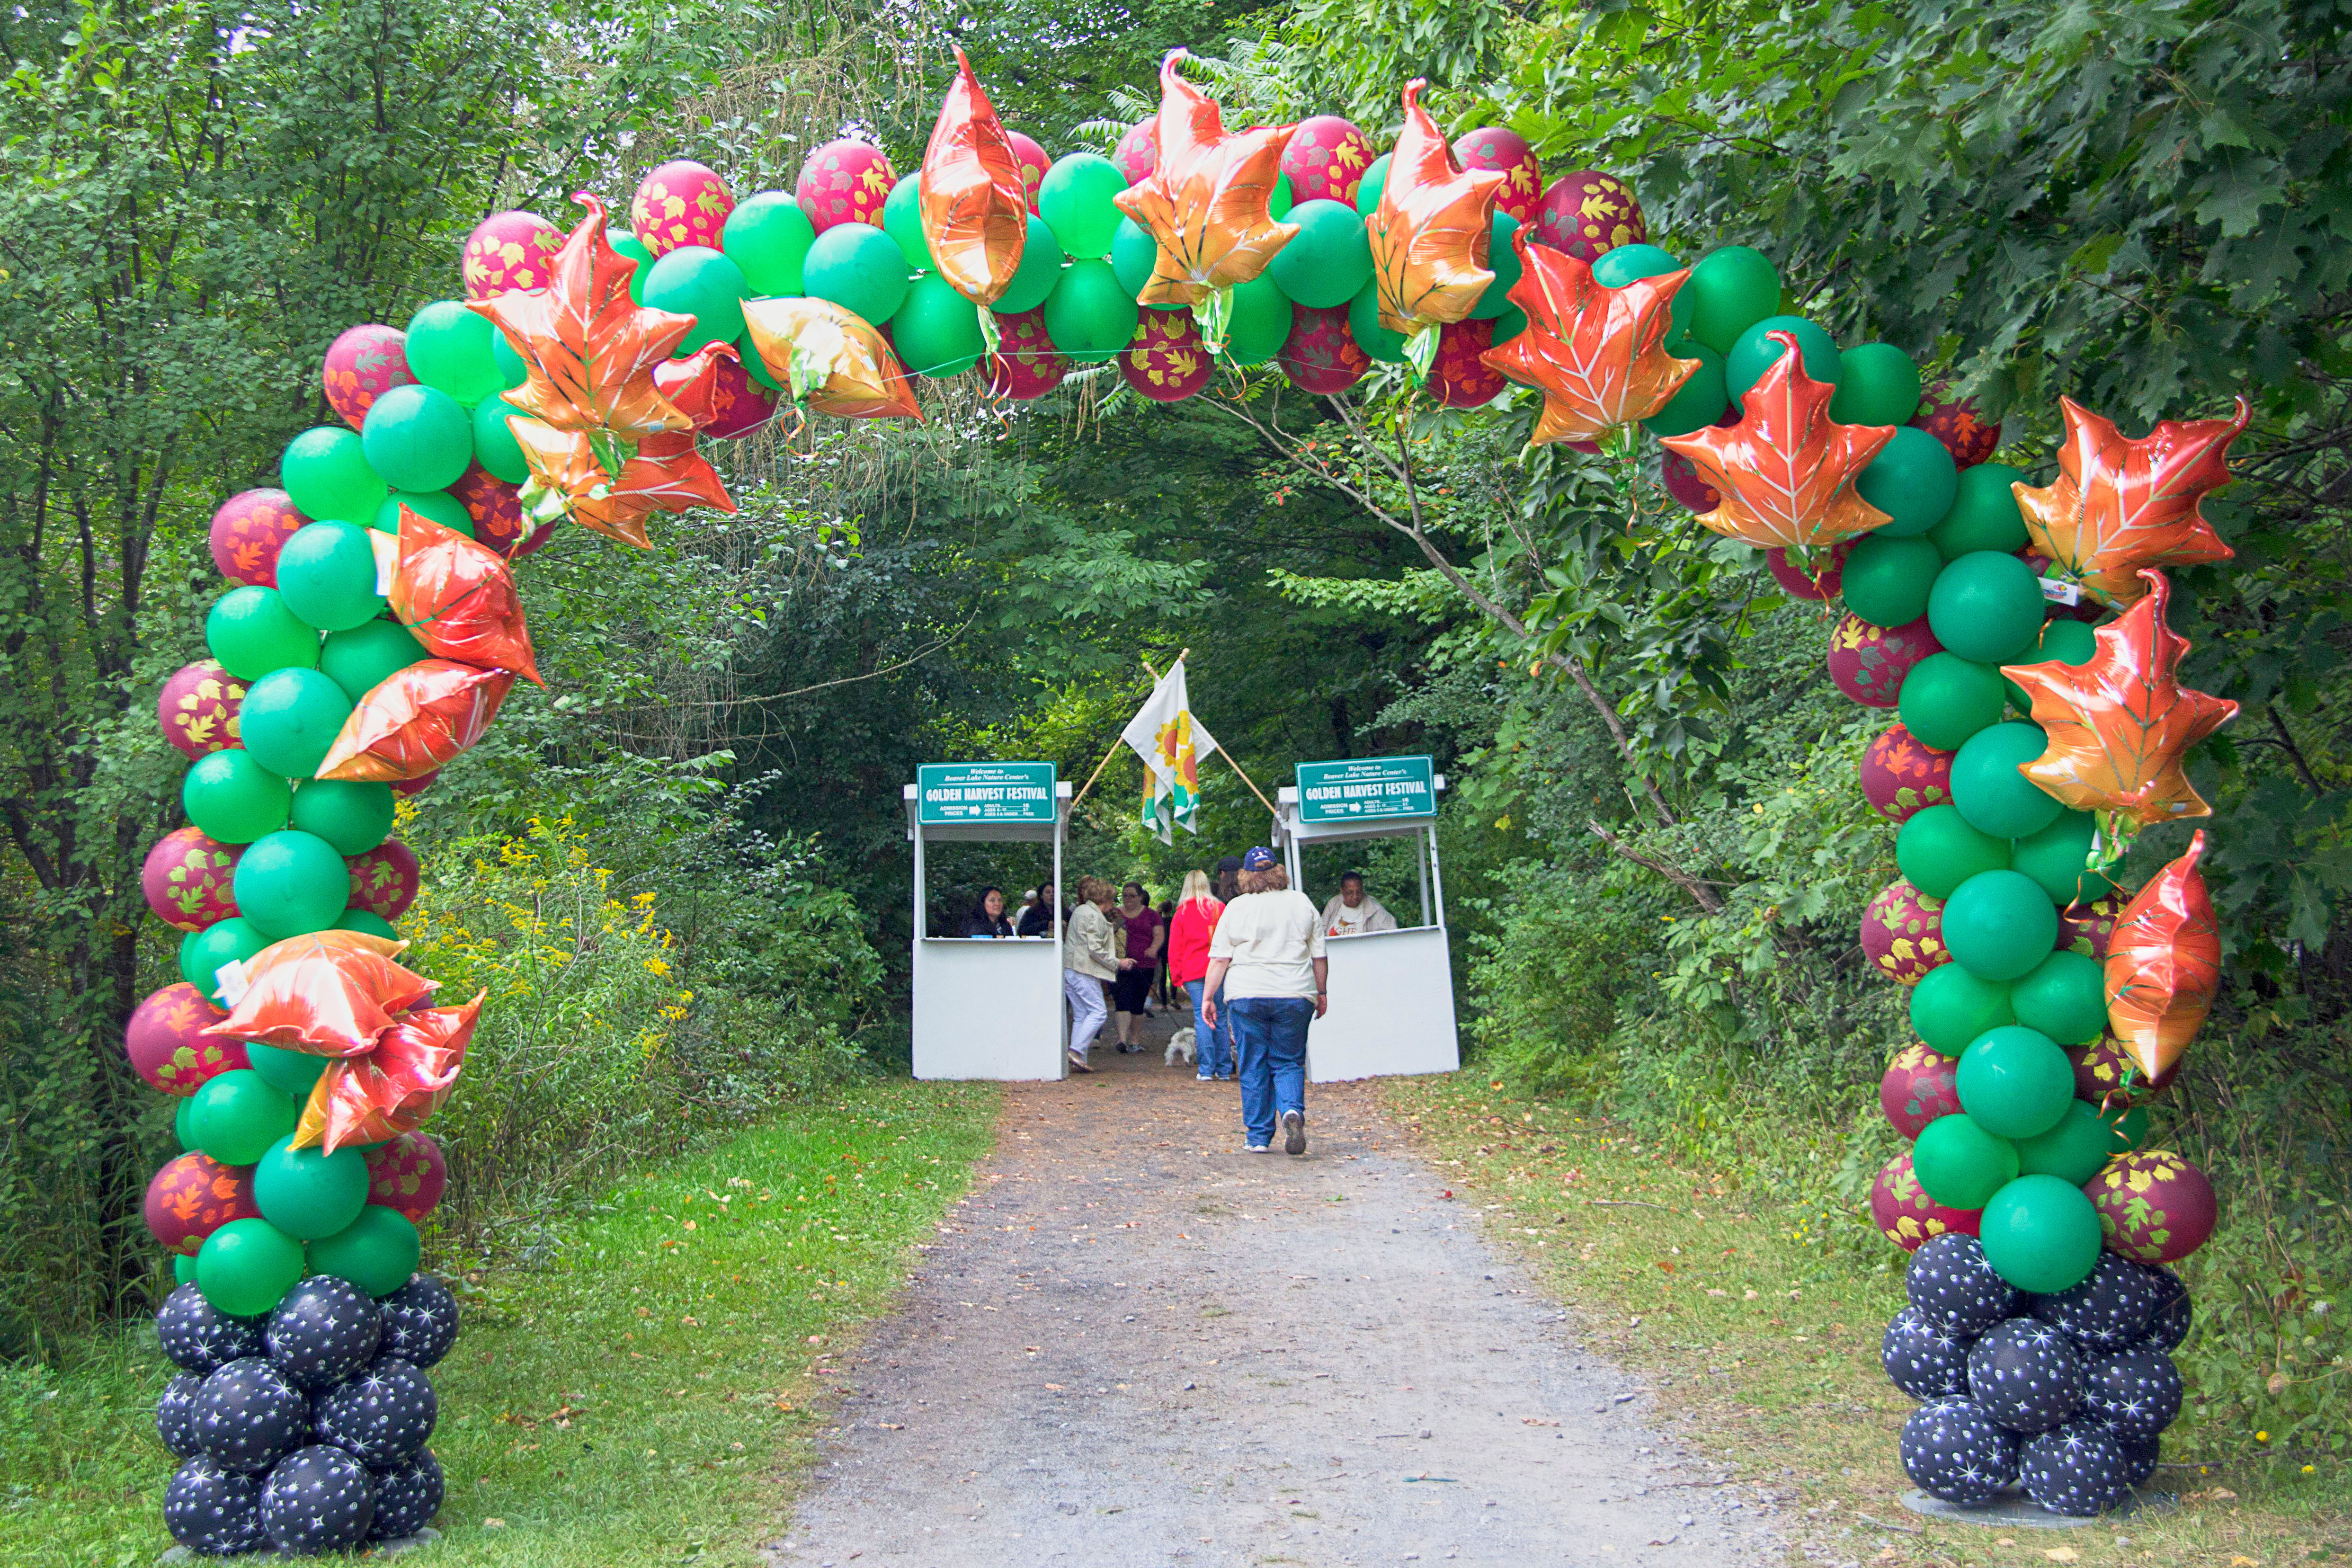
x,y
1354,912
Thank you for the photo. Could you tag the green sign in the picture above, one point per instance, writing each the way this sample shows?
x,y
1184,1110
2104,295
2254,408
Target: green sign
x,y
984,792
1367,789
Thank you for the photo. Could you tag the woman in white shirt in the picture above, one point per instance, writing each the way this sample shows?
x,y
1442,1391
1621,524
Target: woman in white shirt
x,y
1266,959
1090,957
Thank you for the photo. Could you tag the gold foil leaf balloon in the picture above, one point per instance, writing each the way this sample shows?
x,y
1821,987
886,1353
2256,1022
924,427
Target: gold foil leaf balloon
x,y
2119,505
415,720
1206,199
392,1087
974,204
613,493
1431,231
830,360
328,993
1596,354
2164,965
458,598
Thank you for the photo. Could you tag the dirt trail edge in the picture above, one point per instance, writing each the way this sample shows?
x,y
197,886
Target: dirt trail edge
x,y
1134,1343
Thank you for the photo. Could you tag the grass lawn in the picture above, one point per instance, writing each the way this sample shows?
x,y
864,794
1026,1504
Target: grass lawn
x,y
644,1388
1763,1340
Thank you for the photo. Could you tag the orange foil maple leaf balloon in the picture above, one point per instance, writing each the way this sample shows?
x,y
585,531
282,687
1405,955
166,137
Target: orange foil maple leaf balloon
x,y
2119,505
2117,725
572,477
458,599
2164,965
1595,352
394,1088
830,360
974,204
1786,471
588,349
1431,231
1205,201
330,993
415,720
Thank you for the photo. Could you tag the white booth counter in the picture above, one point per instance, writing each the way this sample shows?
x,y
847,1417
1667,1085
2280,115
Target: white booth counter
x,y
1392,1006
987,1008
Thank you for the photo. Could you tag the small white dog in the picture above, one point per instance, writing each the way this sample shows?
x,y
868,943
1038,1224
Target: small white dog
x,y
1180,1045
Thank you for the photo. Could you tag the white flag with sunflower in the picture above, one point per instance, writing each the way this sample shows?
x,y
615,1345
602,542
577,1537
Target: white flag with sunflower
x,y
1171,744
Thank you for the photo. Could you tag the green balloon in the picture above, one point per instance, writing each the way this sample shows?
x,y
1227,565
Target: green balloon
x,y
1959,1164
2065,997
2040,1234
1511,323
448,347
361,659
238,1116
184,1268
1998,924
1078,198
626,244
1364,326
252,632
326,575
374,925
1911,480
377,1252
353,817
856,266
325,470
1090,316
1950,1008
291,883
291,718
495,447
1945,699
1988,790
1329,259
1938,850
1730,290
1502,259
2066,641
902,220
1878,384
180,1129
202,952
1040,269
769,237
1281,199
2056,859
438,506
233,798
247,1266
1631,264
308,1193
292,1073
1260,324
1754,353
937,330
1987,608
696,280
1701,400
1887,580
2015,1081
417,439
2074,1151
512,371
1373,186
1983,514
1133,256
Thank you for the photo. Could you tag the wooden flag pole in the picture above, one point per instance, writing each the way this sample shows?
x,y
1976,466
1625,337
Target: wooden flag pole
x,y
1248,780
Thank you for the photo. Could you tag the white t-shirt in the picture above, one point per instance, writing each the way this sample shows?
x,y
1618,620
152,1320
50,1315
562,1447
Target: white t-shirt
x,y
1369,915
1271,939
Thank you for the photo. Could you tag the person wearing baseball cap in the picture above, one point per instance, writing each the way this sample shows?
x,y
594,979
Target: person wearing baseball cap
x,y
1266,961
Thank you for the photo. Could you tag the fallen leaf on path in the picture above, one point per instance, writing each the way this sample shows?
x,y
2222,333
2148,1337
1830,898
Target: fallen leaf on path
x,y
2063,1555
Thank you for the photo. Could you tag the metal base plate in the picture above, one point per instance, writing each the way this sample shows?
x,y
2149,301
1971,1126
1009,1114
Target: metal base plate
x,y
2014,1511
425,1537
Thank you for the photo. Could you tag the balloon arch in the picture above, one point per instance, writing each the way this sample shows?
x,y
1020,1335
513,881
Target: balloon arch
x,y
373,629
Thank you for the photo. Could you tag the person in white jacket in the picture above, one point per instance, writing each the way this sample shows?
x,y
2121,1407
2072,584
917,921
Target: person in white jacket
x,y
1090,958
1355,910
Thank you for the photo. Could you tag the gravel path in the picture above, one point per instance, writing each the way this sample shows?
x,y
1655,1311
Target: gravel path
x,y
1134,1343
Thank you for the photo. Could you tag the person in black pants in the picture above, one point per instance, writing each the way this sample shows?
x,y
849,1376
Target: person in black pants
x,y
1145,936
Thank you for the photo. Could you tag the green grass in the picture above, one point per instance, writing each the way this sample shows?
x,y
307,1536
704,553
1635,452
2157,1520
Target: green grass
x,y
644,1388
1760,1318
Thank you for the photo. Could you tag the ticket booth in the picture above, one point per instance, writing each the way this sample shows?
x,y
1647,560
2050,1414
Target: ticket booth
x,y
986,1008
1391,1007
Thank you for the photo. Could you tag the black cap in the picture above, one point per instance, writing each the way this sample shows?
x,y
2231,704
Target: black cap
x,y
1230,863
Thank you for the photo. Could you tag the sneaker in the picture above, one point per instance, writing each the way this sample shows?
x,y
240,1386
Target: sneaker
x,y
1257,1149
1294,1132
1203,1077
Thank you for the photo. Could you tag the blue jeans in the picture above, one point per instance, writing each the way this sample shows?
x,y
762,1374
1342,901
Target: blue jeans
x,y
1213,1047
1273,1036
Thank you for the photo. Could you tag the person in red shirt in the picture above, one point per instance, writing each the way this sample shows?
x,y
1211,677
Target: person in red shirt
x,y
1188,932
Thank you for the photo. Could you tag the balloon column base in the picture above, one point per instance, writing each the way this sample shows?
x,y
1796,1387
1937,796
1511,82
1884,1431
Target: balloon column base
x,y
2014,1510
428,1536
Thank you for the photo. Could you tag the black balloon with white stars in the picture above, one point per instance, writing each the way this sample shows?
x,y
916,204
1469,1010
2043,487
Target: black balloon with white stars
x,y
1951,1285
2168,1324
213,1511
1925,1362
199,1336
2106,1311
1955,1451
2136,1391
324,1331
2025,1375
2078,1470
420,1322
318,1499
248,1415
382,1414
407,1496
2139,1455
175,1416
